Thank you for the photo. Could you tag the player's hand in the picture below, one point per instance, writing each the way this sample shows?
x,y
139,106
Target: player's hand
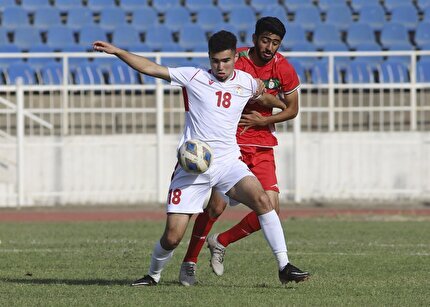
x,y
260,89
253,118
102,46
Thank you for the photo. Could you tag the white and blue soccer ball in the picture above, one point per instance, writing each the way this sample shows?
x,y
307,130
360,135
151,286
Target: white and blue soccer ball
x,y
195,156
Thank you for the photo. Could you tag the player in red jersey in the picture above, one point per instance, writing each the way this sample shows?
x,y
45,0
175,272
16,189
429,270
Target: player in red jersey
x,y
255,136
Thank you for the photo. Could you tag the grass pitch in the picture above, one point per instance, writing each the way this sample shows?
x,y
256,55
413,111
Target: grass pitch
x,y
352,262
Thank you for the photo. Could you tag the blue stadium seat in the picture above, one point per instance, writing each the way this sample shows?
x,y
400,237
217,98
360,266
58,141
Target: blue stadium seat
x,y
208,18
52,73
88,73
231,28
193,38
98,5
20,70
75,61
423,71
162,6
126,36
357,5
393,72
144,18
296,34
65,5
423,4
32,5
426,14
394,36
4,39
227,6
112,17
360,33
105,63
90,34
319,73
406,15
79,17
46,17
60,37
121,73
28,36
371,46
340,17
326,34
275,11
373,15
157,36
358,72
196,5
293,5
176,17
327,5
38,63
9,48
422,35
259,5
306,62
6,3
242,18
14,17
309,17
390,5
300,70
130,6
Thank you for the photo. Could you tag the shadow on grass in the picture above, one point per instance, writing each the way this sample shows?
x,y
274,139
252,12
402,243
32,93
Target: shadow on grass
x,y
73,282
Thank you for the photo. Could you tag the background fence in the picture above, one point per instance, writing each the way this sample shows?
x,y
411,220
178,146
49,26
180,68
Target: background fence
x,y
100,135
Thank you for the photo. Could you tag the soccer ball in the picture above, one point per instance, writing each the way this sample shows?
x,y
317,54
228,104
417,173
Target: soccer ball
x,y
195,156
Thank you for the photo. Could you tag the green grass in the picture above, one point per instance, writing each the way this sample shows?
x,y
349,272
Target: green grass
x,y
357,263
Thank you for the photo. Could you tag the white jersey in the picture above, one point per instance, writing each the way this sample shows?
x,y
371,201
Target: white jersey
x,y
213,108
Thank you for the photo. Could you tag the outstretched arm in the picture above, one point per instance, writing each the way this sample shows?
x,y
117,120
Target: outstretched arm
x,y
141,64
291,109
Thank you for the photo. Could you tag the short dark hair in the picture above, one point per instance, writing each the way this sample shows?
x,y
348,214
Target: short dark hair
x,y
222,40
270,24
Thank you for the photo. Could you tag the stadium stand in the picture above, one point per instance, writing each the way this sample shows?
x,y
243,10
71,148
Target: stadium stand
x,y
14,17
126,36
373,15
196,5
328,5
240,18
176,17
6,3
259,5
394,36
79,17
52,73
46,18
192,38
143,18
326,34
422,35
390,5
88,73
393,72
89,34
228,6
358,72
308,16
112,17
33,5
162,6
20,70
340,17
423,71
130,6
422,4
39,63
158,36
275,11
360,33
26,37
120,73
293,5
406,15
357,5
209,17
66,5
97,5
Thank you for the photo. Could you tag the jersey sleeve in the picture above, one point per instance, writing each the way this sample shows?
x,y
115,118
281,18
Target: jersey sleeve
x,y
181,76
289,79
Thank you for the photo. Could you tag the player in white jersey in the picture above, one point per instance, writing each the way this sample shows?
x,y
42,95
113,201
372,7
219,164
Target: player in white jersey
x,y
214,102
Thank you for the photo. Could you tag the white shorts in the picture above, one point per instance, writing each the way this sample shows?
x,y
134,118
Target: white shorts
x,y
188,192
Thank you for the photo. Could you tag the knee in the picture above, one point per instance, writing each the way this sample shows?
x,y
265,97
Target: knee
x,y
263,202
170,241
215,208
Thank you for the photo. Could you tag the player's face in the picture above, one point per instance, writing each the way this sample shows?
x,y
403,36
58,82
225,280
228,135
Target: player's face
x,y
222,64
266,45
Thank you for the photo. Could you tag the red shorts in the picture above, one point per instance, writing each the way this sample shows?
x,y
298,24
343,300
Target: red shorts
x,y
261,161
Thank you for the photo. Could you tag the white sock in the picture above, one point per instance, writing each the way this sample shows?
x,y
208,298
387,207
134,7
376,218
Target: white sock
x,y
274,234
159,258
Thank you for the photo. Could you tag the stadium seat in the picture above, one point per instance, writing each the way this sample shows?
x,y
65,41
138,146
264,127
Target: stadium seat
x,y
259,5
426,13
144,18
371,46
319,73
295,35
357,5
28,36
88,73
373,15
90,34
46,18
227,6
360,33
60,37
422,34
9,48
74,61
162,6
79,17
306,62
38,63
112,17
423,4
7,3
14,17
394,36
20,70
121,73
196,5
423,71
358,72
406,15
300,70
242,18
157,36
326,34
65,5
126,36
192,38
52,73
390,5
4,39
98,5
293,5
130,6
340,17
176,17
393,72
33,5
309,17
327,5
208,18
277,11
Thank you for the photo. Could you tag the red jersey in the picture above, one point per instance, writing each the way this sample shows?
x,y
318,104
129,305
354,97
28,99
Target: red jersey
x,y
279,77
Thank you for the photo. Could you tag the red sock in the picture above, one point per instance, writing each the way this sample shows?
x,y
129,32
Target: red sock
x,y
246,226
202,226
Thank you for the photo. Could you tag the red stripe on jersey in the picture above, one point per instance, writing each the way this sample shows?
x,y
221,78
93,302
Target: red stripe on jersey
x,y
195,74
234,75
185,95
